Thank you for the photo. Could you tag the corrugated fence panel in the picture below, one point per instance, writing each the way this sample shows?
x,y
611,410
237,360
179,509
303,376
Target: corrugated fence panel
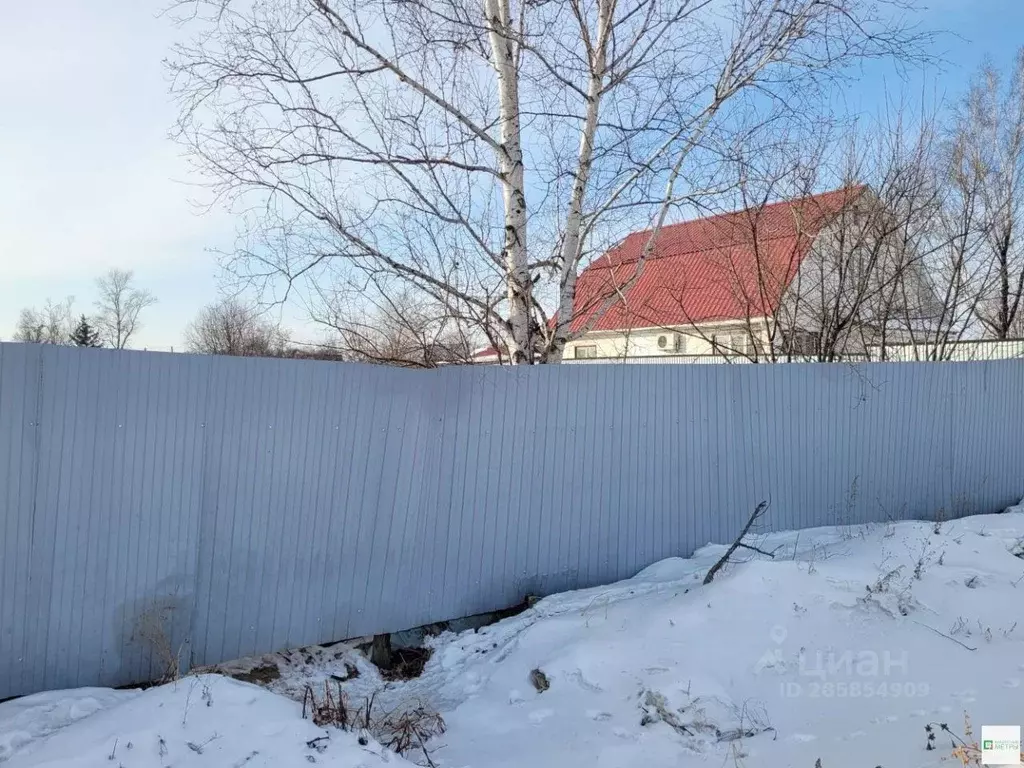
x,y
114,513
20,371
165,509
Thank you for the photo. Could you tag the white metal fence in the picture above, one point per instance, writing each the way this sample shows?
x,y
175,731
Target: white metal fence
x,y
247,505
960,351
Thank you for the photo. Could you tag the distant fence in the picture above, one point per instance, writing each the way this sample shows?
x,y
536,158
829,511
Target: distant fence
x,y
957,351
707,359
954,351
239,506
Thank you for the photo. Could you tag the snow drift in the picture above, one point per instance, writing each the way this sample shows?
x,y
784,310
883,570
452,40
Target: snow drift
x,y
841,647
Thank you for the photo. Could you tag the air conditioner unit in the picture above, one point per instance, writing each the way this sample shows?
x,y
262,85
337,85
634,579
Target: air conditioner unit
x,y
670,342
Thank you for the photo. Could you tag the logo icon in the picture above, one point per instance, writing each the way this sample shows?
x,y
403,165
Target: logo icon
x,y
1000,744
773,657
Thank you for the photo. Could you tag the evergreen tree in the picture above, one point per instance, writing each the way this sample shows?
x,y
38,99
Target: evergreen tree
x,y
85,335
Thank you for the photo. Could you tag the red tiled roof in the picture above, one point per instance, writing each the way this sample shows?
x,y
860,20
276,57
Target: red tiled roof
x,y
725,267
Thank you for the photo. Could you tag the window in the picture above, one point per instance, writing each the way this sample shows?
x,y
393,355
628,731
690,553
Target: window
x,y
745,344
730,343
800,343
585,351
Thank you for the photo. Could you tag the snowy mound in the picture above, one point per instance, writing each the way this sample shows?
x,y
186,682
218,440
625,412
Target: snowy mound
x,y
204,721
842,645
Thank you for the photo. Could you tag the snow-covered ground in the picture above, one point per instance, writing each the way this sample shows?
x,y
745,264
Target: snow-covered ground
x,y
842,648
204,720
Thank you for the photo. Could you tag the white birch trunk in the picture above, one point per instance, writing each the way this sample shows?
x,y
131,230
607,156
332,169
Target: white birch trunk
x,y
510,164
571,243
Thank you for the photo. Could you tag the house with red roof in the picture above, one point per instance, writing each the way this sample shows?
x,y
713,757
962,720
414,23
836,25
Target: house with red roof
x,y
742,284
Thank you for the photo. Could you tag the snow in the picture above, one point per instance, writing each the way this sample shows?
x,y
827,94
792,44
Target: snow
x,y
842,647
204,720
30,718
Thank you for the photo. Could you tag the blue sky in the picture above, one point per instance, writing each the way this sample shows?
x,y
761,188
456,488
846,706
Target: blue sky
x,y
972,30
93,182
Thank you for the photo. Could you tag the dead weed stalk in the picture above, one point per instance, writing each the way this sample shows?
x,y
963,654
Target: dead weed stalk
x,y
404,731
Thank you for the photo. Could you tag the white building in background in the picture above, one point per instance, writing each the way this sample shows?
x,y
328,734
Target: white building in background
x,y
735,287
955,351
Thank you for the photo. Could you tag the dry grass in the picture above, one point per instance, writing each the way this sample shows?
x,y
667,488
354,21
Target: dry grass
x,y
331,709
405,731
152,631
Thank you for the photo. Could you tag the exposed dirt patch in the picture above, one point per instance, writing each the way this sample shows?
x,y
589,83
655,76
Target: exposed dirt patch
x,y
351,673
406,663
261,675
143,686
528,602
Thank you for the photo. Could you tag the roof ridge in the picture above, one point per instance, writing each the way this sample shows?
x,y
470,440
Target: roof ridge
x,y
736,211
676,254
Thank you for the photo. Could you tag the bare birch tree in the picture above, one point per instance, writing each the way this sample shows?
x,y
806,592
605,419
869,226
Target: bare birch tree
x,y
950,250
482,151
119,306
905,269
862,284
990,136
823,276
394,327
50,325
232,328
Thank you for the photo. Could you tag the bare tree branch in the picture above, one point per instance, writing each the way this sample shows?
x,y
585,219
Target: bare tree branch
x,y
231,328
119,306
758,512
483,152
52,324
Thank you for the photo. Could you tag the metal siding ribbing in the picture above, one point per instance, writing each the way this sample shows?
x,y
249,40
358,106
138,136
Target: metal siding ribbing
x,y
99,526
250,505
19,409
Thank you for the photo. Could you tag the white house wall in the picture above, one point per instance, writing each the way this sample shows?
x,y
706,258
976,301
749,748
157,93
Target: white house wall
x,y
643,342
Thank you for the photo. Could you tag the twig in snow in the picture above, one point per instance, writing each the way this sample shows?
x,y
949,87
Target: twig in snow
x,y
760,551
245,759
319,743
653,700
423,749
759,510
943,634
198,748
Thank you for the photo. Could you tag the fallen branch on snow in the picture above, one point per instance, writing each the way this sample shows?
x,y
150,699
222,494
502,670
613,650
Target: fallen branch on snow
x,y
759,511
943,634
